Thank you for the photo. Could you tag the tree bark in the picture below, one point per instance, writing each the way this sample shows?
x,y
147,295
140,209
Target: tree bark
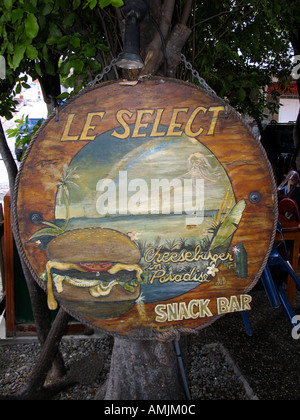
x,y
42,318
37,296
34,388
9,162
154,53
176,42
143,370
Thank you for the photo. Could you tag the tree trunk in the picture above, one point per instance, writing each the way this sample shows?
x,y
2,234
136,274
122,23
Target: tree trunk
x,y
9,162
34,389
154,51
143,370
42,318
37,295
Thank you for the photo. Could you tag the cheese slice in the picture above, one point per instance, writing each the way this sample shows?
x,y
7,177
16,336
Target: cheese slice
x,y
127,267
101,290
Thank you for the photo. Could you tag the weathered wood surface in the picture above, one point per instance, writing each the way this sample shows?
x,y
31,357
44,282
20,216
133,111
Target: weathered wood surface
x,y
158,129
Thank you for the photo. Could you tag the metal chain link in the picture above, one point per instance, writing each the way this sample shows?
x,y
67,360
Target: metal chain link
x,y
196,75
97,79
106,70
187,64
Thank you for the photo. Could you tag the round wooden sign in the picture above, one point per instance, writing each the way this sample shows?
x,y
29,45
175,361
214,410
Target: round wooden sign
x,y
146,208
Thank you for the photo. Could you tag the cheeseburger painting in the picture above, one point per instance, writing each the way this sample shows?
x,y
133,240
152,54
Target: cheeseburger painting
x,y
134,215
112,245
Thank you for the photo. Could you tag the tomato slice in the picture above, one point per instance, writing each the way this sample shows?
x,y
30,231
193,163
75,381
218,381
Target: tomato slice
x,y
97,267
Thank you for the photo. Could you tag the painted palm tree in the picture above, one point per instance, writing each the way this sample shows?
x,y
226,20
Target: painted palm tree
x,y
64,183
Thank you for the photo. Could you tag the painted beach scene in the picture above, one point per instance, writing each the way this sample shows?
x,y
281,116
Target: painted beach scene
x,y
147,219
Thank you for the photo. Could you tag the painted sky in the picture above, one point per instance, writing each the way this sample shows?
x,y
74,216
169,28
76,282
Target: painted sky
x,y
180,158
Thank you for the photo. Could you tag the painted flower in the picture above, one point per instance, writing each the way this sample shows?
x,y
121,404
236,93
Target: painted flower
x,y
212,270
133,235
236,250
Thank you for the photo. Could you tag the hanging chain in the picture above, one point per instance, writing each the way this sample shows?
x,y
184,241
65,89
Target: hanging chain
x,y
106,70
97,79
187,64
196,75
114,61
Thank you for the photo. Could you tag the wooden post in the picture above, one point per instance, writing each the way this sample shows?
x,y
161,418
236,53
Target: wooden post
x,y
9,267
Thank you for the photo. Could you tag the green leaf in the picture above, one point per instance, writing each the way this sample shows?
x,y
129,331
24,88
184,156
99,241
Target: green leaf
x,y
18,55
75,41
104,3
44,221
31,26
32,52
242,95
90,51
16,14
229,225
18,88
62,96
78,65
92,4
103,47
76,4
69,20
38,68
115,3
46,232
8,4
54,30
47,9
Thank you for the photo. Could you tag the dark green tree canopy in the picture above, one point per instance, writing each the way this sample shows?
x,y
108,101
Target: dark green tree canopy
x,y
236,45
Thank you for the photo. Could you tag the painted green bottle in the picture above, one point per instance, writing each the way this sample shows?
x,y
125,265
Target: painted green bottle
x,y
241,261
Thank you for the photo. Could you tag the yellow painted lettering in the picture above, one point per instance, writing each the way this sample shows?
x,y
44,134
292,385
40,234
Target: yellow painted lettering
x,y
88,126
155,132
174,125
123,123
216,111
66,136
139,124
188,128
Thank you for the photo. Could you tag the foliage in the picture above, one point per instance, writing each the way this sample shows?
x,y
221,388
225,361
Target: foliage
x,y
236,45
36,34
241,46
104,3
24,136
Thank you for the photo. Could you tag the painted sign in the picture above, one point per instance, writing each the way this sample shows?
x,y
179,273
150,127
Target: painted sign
x,y
146,207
